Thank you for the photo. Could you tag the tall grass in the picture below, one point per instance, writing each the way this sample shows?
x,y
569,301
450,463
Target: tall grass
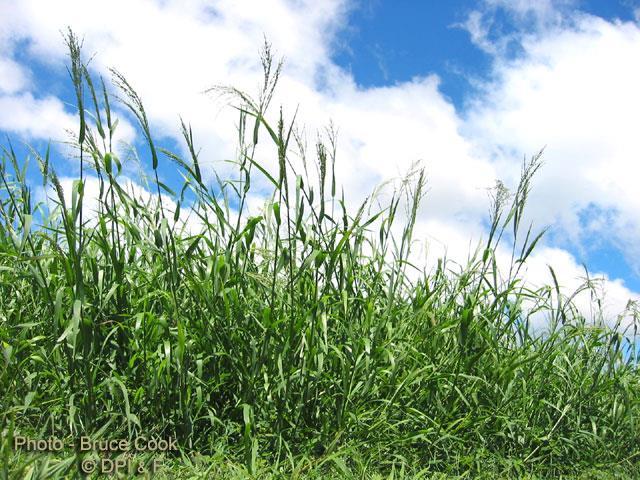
x,y
300,341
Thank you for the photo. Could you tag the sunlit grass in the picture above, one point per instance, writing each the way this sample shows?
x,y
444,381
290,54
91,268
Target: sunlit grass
x,y
302,342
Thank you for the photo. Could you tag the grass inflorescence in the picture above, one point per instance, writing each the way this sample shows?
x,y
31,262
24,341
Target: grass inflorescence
x,y
299,342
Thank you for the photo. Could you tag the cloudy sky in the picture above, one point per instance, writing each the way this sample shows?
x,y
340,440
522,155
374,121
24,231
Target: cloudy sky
x,y
467,88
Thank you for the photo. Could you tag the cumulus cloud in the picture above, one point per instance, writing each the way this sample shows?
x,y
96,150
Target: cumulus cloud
x,y
34,117
574,89
13,77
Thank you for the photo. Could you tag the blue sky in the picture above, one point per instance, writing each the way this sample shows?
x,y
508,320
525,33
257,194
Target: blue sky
x,y
468,88
393,41
389,42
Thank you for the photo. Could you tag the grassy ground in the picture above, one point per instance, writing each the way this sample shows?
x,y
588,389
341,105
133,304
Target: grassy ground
x,y
300,342
344,465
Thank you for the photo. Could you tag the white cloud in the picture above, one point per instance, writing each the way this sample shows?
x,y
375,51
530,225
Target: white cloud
x,y
575,90
490,32
187,219
47,118
543,12
35,117
13,77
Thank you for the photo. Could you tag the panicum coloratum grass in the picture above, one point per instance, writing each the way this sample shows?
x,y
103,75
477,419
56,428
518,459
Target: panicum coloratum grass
x,y
295,343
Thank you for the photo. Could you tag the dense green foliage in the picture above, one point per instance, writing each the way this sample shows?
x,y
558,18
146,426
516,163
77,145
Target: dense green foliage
x,y
300,342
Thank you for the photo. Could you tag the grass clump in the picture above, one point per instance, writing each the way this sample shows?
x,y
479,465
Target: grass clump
x,y
299,342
